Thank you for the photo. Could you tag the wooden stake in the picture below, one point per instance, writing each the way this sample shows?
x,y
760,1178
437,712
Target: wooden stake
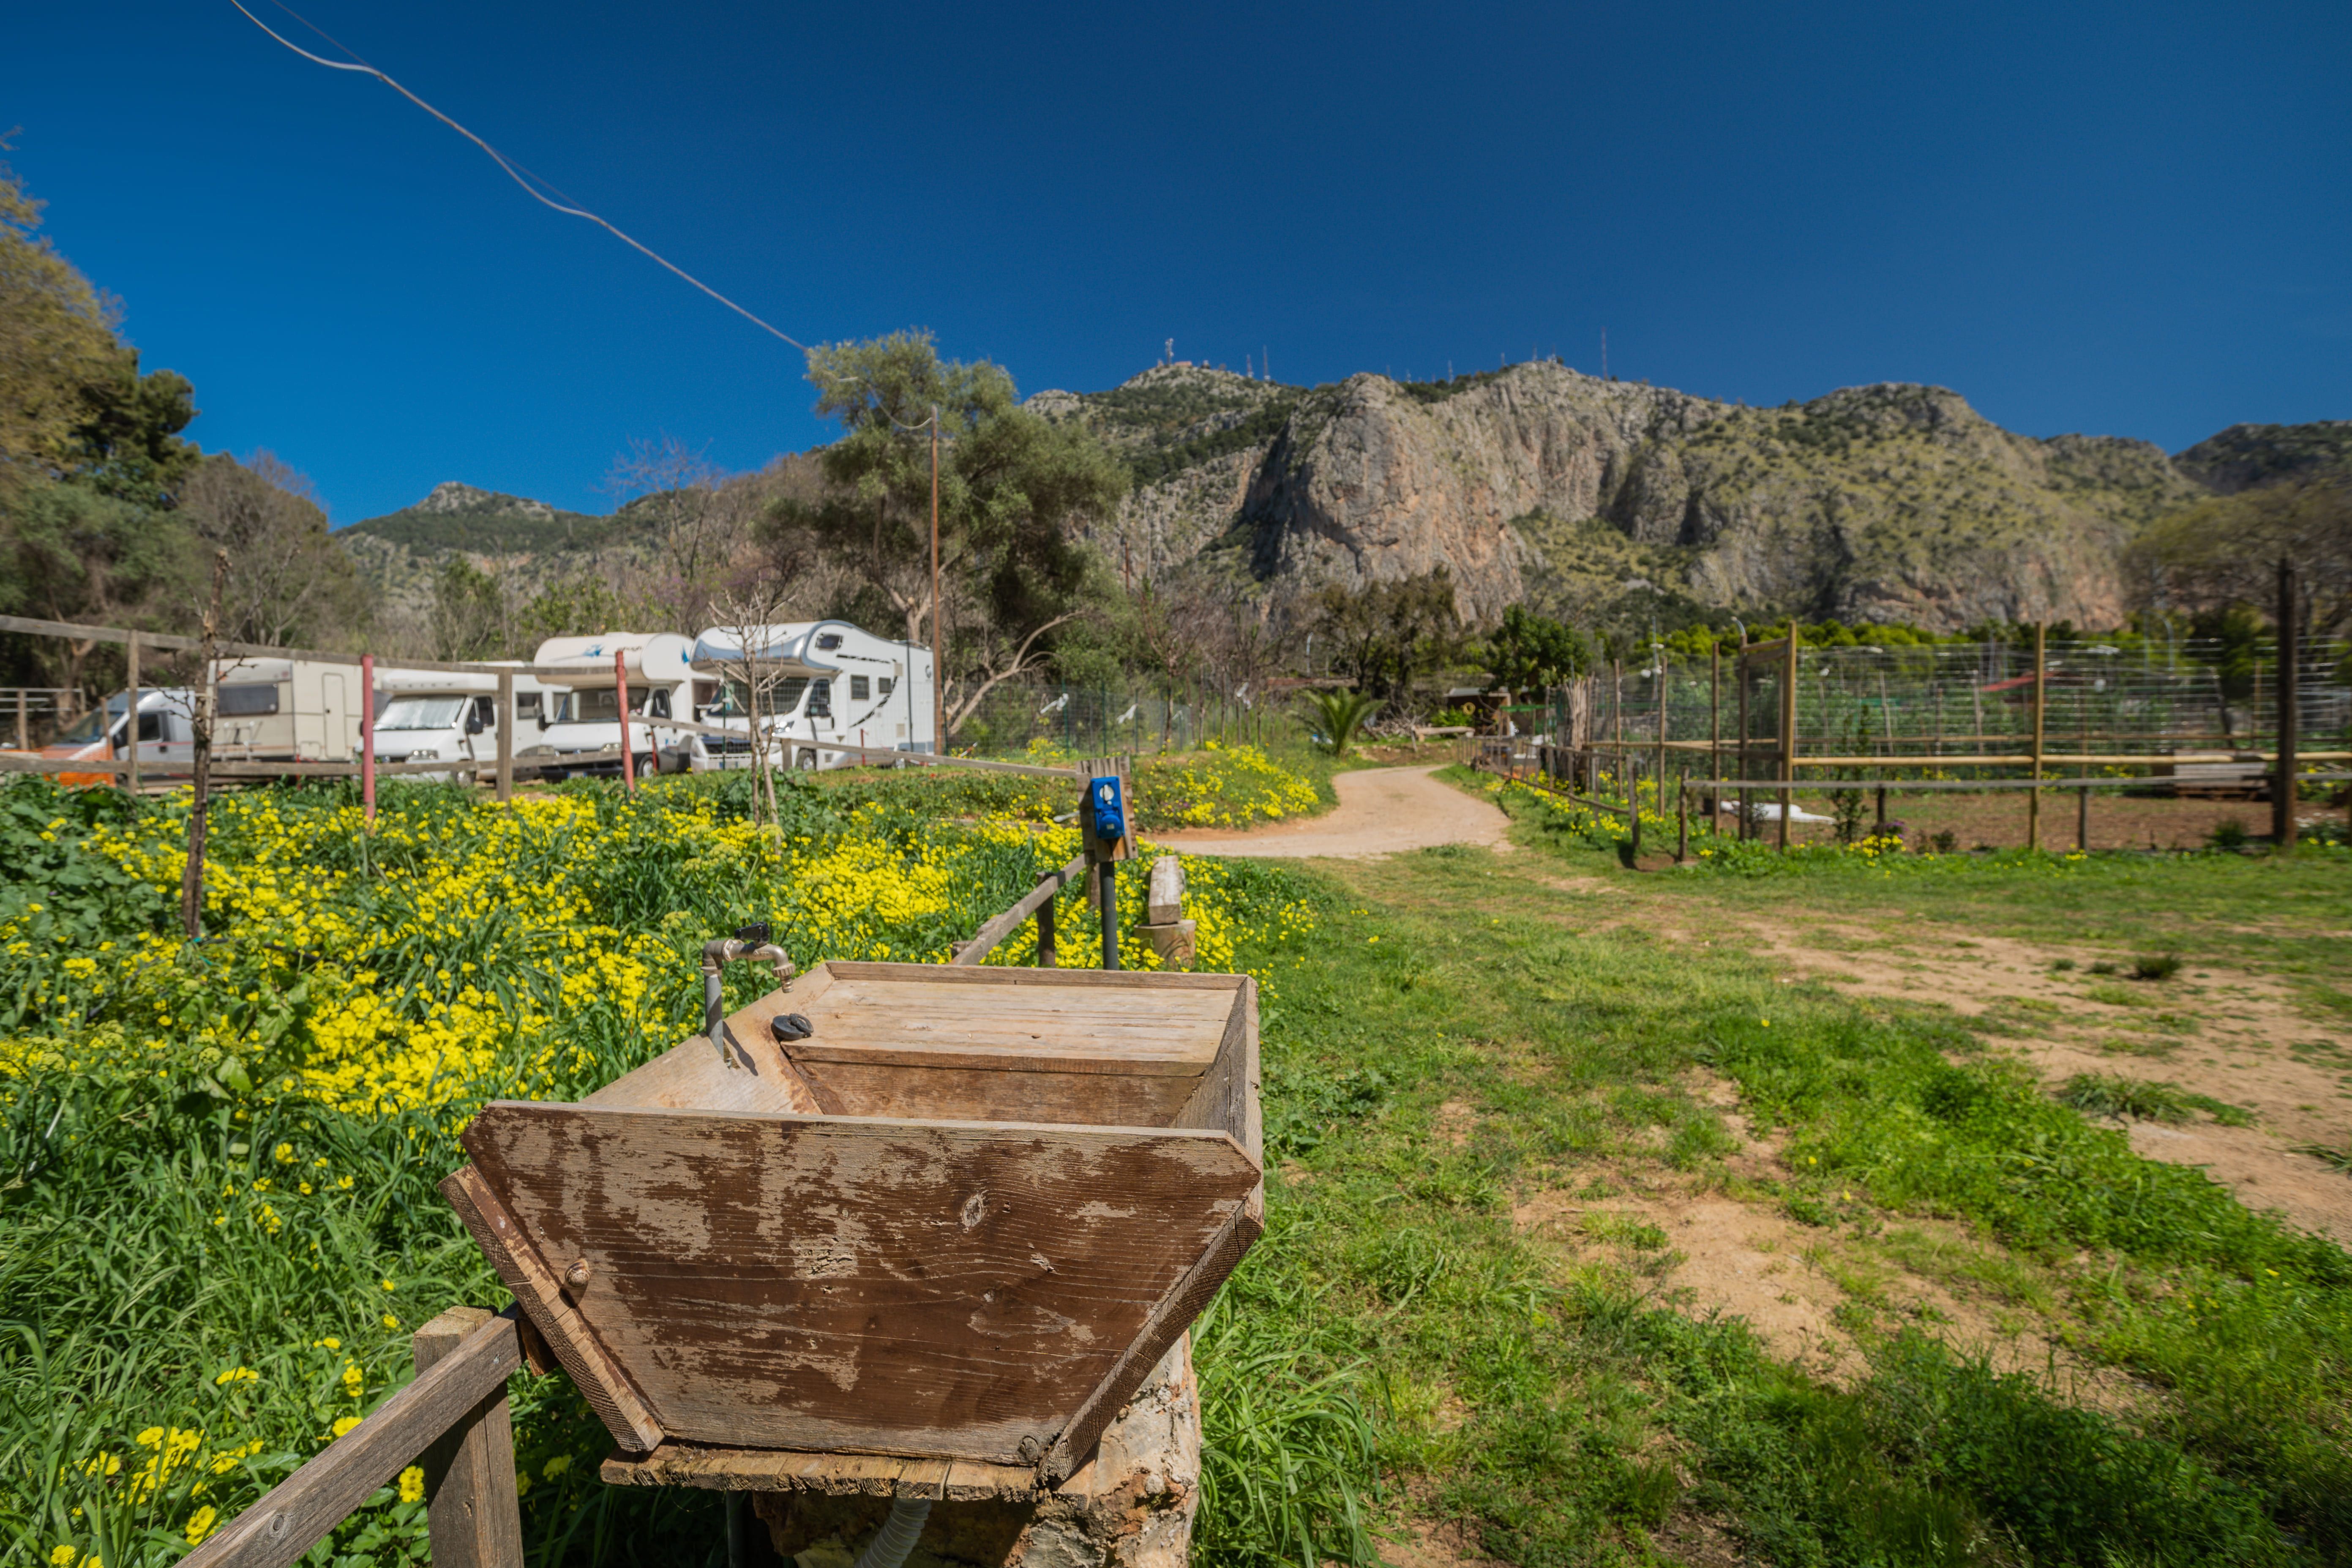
x,y
471,1504
621,698
1682,817
130,719
1046,923
2283,788
2034,796
1788,734
1746,825
1714,727
506,740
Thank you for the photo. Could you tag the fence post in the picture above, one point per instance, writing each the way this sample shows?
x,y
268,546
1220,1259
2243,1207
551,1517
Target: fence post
x,y
472,1507
130,714
621,701
2034,796
1045,923
2283,787
1747,826
1715,730
505,739
1789,735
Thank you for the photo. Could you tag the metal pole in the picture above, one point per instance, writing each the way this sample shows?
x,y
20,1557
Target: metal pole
x,y
2283,788
1746,825
621,698
2034,796
130,716
939,669
1714,728
367,736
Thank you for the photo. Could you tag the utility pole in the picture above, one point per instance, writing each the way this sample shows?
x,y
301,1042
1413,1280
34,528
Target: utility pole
x,y
938,671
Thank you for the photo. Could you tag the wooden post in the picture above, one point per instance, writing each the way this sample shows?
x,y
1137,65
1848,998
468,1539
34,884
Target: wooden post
x,y
2034,796
1617,718
506,737
2284,785
1660,771
1682,817
621,698
23,743
471,1505
1745,826
130,716
1788,734
1633,803
1879,831
1714,731
2082,818
1046,923
367,737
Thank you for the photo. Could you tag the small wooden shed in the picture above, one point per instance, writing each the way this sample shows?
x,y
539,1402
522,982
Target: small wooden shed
x,y
961,1220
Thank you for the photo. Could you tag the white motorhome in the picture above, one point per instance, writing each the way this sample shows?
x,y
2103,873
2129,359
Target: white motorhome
x,y
425,716
824,681
579,725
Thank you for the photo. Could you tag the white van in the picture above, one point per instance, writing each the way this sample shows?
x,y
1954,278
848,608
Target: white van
x,y
579,725
167,736
833,682
425,716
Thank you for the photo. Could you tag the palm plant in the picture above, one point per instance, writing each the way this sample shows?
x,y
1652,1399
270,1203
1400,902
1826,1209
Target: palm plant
x,y
1333,718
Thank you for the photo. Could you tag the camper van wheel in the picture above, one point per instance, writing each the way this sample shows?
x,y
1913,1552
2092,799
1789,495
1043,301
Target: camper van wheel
x,y
805,760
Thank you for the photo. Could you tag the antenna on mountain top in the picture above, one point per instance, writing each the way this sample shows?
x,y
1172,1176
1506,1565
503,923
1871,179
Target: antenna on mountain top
x,y
1171,352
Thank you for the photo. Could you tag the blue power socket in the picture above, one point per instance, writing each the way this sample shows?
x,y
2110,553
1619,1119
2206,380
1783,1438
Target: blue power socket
x,y
1109,810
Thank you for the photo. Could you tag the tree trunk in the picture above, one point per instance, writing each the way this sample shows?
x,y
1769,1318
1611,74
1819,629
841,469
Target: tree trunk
x,y
192,876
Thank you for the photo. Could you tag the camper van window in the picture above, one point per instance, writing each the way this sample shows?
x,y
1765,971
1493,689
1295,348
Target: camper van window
x,y
248,699
660,704
486,715
820,702
420,713
91,725
887,683
829,641
789,690
858,689
526,704
151,726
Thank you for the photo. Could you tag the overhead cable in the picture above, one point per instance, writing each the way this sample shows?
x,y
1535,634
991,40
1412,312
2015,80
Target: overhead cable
x,y
519,176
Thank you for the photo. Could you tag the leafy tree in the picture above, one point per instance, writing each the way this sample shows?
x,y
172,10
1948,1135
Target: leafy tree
x,y
2226,551
69,554
1530,652
469,613
287,583
57,338
1011,488
1385,636
580,606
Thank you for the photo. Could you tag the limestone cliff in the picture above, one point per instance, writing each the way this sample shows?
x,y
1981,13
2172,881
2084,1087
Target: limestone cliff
x,y
1879,502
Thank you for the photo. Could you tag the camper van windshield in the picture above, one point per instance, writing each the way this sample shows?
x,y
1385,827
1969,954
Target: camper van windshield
x,y
421,713
92,724
601,705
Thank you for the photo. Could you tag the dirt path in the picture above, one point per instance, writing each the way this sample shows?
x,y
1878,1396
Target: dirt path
x,y
1380,811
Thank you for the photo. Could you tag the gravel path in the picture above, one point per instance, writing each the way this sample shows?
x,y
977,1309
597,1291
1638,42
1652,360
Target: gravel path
x,y
1380,811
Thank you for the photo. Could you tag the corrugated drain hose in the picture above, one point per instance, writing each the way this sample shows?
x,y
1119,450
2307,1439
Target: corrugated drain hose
x,y
897,1538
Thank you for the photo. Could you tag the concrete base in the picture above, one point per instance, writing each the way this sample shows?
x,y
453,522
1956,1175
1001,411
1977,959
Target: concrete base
x,y
1130,1506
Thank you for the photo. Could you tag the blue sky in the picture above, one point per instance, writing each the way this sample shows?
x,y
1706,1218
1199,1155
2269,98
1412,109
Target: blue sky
x,y
2124,219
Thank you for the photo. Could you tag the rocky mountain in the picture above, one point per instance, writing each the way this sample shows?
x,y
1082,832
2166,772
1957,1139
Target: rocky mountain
x,y
528,544
1591,498
1538,484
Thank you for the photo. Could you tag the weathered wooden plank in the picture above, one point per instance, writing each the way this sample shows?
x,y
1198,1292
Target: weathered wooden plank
x,y
985,1092
541,1295
1054,979
984,941
473,1511
946,1288
719,1468
297,1513
1185,1056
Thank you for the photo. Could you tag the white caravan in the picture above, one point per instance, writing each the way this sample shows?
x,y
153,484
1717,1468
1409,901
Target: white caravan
x,y
579,725
831,683
424,716
286,709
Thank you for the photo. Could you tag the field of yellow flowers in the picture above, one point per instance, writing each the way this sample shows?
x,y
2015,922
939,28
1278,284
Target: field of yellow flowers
x,y
217,1220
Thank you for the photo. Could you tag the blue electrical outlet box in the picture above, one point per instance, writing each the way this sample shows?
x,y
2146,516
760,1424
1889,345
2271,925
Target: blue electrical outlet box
x,y
1109,809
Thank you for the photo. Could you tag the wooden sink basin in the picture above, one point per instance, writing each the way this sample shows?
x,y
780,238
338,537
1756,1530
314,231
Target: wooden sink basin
x,y
963,1220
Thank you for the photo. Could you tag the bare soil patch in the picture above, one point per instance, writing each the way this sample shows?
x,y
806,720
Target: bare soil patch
x,y
2242,1039
1381,811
